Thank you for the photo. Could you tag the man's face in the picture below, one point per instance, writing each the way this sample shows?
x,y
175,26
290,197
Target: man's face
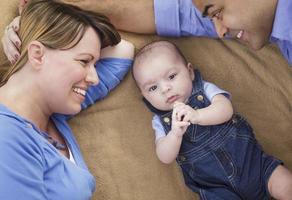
x,y
249,21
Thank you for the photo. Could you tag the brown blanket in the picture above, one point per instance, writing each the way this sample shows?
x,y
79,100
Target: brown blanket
x,y
116,137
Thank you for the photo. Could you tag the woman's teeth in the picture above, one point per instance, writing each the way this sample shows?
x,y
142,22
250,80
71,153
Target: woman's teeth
x,y
79,91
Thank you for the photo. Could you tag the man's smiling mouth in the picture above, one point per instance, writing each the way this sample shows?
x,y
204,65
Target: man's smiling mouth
x,y
240,34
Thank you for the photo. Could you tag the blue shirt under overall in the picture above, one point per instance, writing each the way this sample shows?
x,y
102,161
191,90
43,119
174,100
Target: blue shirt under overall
x,y
31,168
221,161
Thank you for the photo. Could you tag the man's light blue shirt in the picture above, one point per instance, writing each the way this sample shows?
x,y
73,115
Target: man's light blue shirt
x,y
181,18
282,28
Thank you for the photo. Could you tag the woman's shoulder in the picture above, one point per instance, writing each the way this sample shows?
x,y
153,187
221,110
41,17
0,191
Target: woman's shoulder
x,y
17,136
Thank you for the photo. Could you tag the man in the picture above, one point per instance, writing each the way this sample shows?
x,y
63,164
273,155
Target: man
x,y
252,22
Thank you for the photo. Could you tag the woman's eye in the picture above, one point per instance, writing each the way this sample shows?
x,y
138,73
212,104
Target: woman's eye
x,y
152,88
172,76
84,62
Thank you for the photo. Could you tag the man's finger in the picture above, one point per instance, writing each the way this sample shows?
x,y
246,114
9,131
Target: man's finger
x,y
21,5
15,23
13,38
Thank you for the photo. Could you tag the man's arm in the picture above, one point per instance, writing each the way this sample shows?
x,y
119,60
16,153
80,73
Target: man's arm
x,y
127,15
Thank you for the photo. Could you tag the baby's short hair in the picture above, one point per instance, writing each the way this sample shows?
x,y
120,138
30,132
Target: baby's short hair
x,y
147,50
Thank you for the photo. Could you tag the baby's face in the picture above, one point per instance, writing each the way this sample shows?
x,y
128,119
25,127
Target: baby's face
x,y
164,80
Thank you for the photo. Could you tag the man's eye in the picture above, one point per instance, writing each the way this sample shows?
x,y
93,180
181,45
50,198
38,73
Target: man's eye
x,y
172,76
216,14
152,88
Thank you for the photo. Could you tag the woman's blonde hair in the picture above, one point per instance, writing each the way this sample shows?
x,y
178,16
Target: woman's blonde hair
x,y
58,26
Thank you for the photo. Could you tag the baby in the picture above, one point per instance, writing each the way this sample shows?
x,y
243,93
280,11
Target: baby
x,y
194,124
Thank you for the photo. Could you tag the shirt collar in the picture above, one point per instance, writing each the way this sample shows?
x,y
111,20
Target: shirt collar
x,y
283,17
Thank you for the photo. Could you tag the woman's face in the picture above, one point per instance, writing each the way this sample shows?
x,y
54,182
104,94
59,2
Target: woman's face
x,y
68,73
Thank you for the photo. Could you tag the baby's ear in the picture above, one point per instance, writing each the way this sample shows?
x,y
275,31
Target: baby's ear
x,y
35,52
191,70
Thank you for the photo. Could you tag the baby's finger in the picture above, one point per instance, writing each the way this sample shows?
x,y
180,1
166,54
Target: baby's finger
x,y
187,118
173,115
183,124
178,104
181,114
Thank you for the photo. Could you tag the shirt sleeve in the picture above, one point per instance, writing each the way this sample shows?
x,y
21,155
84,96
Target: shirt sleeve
x,y
181,18
158,128
211,90
110,71
21,166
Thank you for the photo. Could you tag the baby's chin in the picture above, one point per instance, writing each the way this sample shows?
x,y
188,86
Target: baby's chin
x,y
166,108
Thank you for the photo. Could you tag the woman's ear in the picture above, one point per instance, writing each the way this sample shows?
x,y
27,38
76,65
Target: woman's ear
x,y
191,70
35,52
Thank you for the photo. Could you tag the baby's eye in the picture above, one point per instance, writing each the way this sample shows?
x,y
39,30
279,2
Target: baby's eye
x,y
152,88
172,76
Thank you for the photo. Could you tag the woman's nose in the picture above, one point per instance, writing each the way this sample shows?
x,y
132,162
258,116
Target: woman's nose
x,y
92,76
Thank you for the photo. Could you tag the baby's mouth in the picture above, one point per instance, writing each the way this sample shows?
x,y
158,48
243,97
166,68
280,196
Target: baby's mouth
x,y
172,99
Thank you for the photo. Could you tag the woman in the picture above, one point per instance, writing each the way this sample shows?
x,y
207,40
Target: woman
x,y
53,78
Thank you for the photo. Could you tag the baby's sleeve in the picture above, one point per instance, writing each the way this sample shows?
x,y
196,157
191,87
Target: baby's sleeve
x,y
158,128
212,90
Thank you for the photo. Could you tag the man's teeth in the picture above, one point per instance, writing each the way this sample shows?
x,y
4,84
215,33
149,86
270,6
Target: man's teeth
x,y
239,35
80,91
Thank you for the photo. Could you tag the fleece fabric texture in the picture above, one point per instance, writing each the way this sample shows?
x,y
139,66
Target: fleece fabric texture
x,y
115,134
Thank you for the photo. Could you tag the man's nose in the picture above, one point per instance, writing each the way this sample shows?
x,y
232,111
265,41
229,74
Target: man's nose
x,y
220,28
92,76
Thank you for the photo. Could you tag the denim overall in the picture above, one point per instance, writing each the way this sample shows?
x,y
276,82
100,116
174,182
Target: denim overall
x,y
221,161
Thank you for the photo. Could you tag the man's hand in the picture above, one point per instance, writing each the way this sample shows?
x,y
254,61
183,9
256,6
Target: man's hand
x,y
21,5
11,42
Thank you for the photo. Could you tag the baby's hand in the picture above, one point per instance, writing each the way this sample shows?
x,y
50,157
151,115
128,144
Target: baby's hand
x,y
178,126
186,113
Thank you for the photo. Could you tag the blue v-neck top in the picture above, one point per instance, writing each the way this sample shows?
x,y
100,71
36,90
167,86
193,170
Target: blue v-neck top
x,y
32,168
